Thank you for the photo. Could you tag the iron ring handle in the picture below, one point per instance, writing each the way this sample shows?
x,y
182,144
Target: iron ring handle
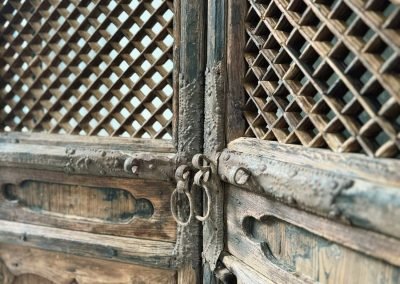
x,y
205,217
174,208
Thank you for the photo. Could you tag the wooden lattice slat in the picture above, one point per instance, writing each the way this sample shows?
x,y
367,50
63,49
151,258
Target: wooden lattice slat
x,y
324,74
87,67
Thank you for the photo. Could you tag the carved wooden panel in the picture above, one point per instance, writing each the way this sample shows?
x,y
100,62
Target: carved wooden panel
x,y
19,265
285,252
87,67
324,74
111,205
104,205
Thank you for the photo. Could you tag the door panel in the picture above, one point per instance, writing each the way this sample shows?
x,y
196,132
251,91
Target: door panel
x,y
88,148
313,74
77,198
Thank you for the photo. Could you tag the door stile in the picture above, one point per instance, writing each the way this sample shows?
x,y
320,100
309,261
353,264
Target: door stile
x,y
214,135
235,69
190,33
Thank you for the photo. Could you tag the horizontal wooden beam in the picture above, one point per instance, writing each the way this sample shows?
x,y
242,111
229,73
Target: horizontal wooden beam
x,y
355,190
85,160
129,250
93,142
378,170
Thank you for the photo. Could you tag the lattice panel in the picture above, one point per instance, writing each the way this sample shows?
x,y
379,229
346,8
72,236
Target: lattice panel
x,y
324,74
87,67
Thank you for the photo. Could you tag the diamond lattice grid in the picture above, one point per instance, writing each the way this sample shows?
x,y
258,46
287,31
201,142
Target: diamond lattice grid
x,y
324,74
87,67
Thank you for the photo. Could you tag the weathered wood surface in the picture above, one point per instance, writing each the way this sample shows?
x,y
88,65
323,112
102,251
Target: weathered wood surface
x,y
350,190
92,142
32,266
383,171
103,205
131,250
89,161
175,72
246,274
186,274
192,58
190,111
235,69
214,131
273,238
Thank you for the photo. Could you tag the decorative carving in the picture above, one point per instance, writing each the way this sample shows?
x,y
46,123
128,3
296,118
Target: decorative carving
x,y
296,94
95,204
110,83
256,231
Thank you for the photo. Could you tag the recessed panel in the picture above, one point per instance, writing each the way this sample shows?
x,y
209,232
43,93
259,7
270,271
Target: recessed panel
x,y
104,205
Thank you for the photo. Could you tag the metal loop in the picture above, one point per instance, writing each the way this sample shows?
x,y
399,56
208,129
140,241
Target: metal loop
x,y
198,178
174,208
199,160
182,172
205,217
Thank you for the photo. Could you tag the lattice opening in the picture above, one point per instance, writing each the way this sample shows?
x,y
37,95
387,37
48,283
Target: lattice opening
x,y
87,67
324,74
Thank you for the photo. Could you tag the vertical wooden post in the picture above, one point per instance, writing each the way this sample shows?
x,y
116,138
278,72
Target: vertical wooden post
x,y
214,134
190,104
235,69
191,78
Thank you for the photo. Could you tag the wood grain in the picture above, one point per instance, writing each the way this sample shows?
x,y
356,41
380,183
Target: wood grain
x,y
246,274
159,226
92,142
235,69
33,266
130,250
261,234
382,171
192,59
345,190
92,204
88,161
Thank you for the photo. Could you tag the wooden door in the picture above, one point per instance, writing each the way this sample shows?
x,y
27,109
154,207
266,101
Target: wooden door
x,y
301,167
91,132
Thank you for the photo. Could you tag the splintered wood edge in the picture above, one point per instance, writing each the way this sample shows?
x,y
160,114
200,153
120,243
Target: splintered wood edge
x,y
382,170
129,250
